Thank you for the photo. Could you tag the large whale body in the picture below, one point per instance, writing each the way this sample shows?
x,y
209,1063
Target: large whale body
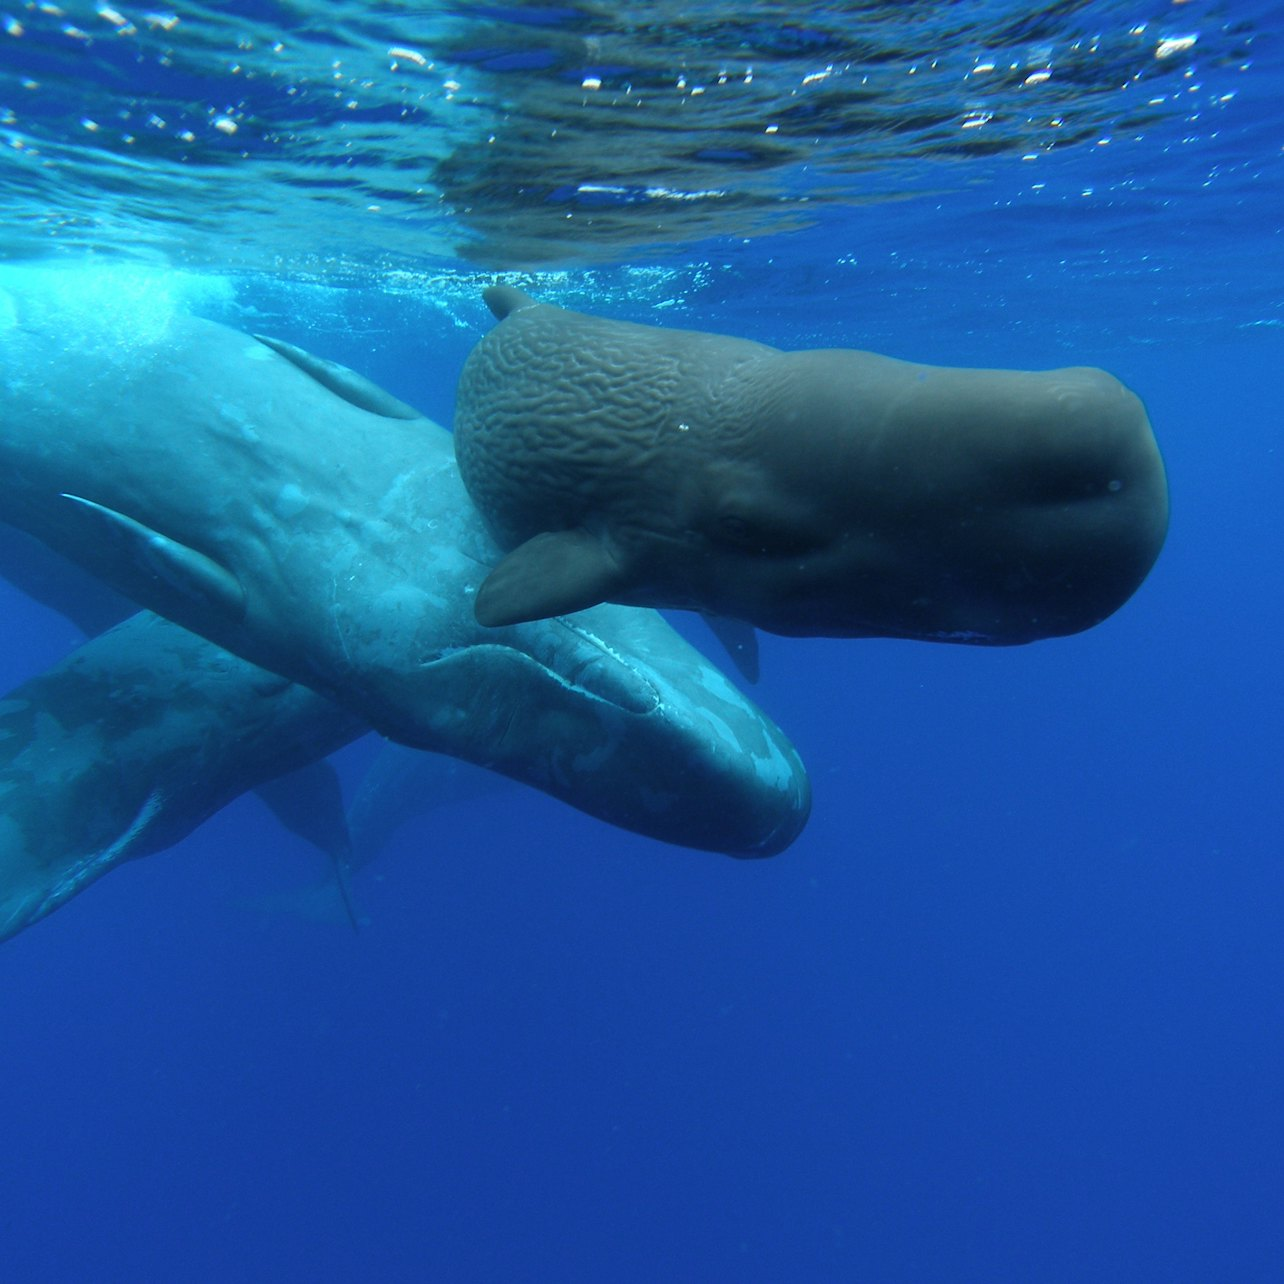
x,y
298,516
835,493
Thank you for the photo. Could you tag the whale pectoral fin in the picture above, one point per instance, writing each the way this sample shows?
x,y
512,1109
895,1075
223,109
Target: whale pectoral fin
x,y
356,389
183,568
738,640
309,802
554,573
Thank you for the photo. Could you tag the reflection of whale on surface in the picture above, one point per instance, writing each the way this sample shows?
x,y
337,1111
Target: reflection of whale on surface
x,y
834,493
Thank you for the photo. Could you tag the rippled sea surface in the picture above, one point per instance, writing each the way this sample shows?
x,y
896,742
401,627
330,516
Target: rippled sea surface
x,y
359,139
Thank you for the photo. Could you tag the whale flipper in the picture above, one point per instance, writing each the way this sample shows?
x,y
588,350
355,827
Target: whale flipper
x,y
738,640
555,573
181,567
308,801
355,389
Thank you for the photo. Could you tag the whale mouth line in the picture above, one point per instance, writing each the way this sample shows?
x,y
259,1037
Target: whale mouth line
x,y
578,660
602,672
573,660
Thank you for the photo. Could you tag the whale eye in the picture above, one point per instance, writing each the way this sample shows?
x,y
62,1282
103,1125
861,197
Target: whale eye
x,y
733,527
757,535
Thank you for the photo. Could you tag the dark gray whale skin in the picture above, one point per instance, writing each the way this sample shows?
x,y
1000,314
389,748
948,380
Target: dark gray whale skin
x,y
834,493
250,494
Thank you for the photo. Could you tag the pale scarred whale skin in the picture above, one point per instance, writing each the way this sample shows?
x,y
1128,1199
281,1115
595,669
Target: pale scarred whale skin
x,y
834,492
335,545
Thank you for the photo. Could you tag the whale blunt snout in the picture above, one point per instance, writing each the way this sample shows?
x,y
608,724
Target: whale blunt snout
x,y
1057,513
740,790
642,738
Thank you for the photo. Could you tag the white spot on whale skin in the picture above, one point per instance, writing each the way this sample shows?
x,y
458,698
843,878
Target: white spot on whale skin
x,y
290,502
239,422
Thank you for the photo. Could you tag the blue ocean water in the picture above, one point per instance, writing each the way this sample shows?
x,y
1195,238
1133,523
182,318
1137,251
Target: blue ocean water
x,y
1012,1007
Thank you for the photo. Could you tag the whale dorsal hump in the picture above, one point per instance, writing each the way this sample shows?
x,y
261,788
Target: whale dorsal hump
x,y
503,299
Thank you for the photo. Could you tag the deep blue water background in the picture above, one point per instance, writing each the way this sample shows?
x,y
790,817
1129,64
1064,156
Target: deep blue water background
x,y
1012,1008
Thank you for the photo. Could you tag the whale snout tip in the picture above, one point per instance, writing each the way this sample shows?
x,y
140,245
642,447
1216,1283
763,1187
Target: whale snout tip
x,y
763,806
793,813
